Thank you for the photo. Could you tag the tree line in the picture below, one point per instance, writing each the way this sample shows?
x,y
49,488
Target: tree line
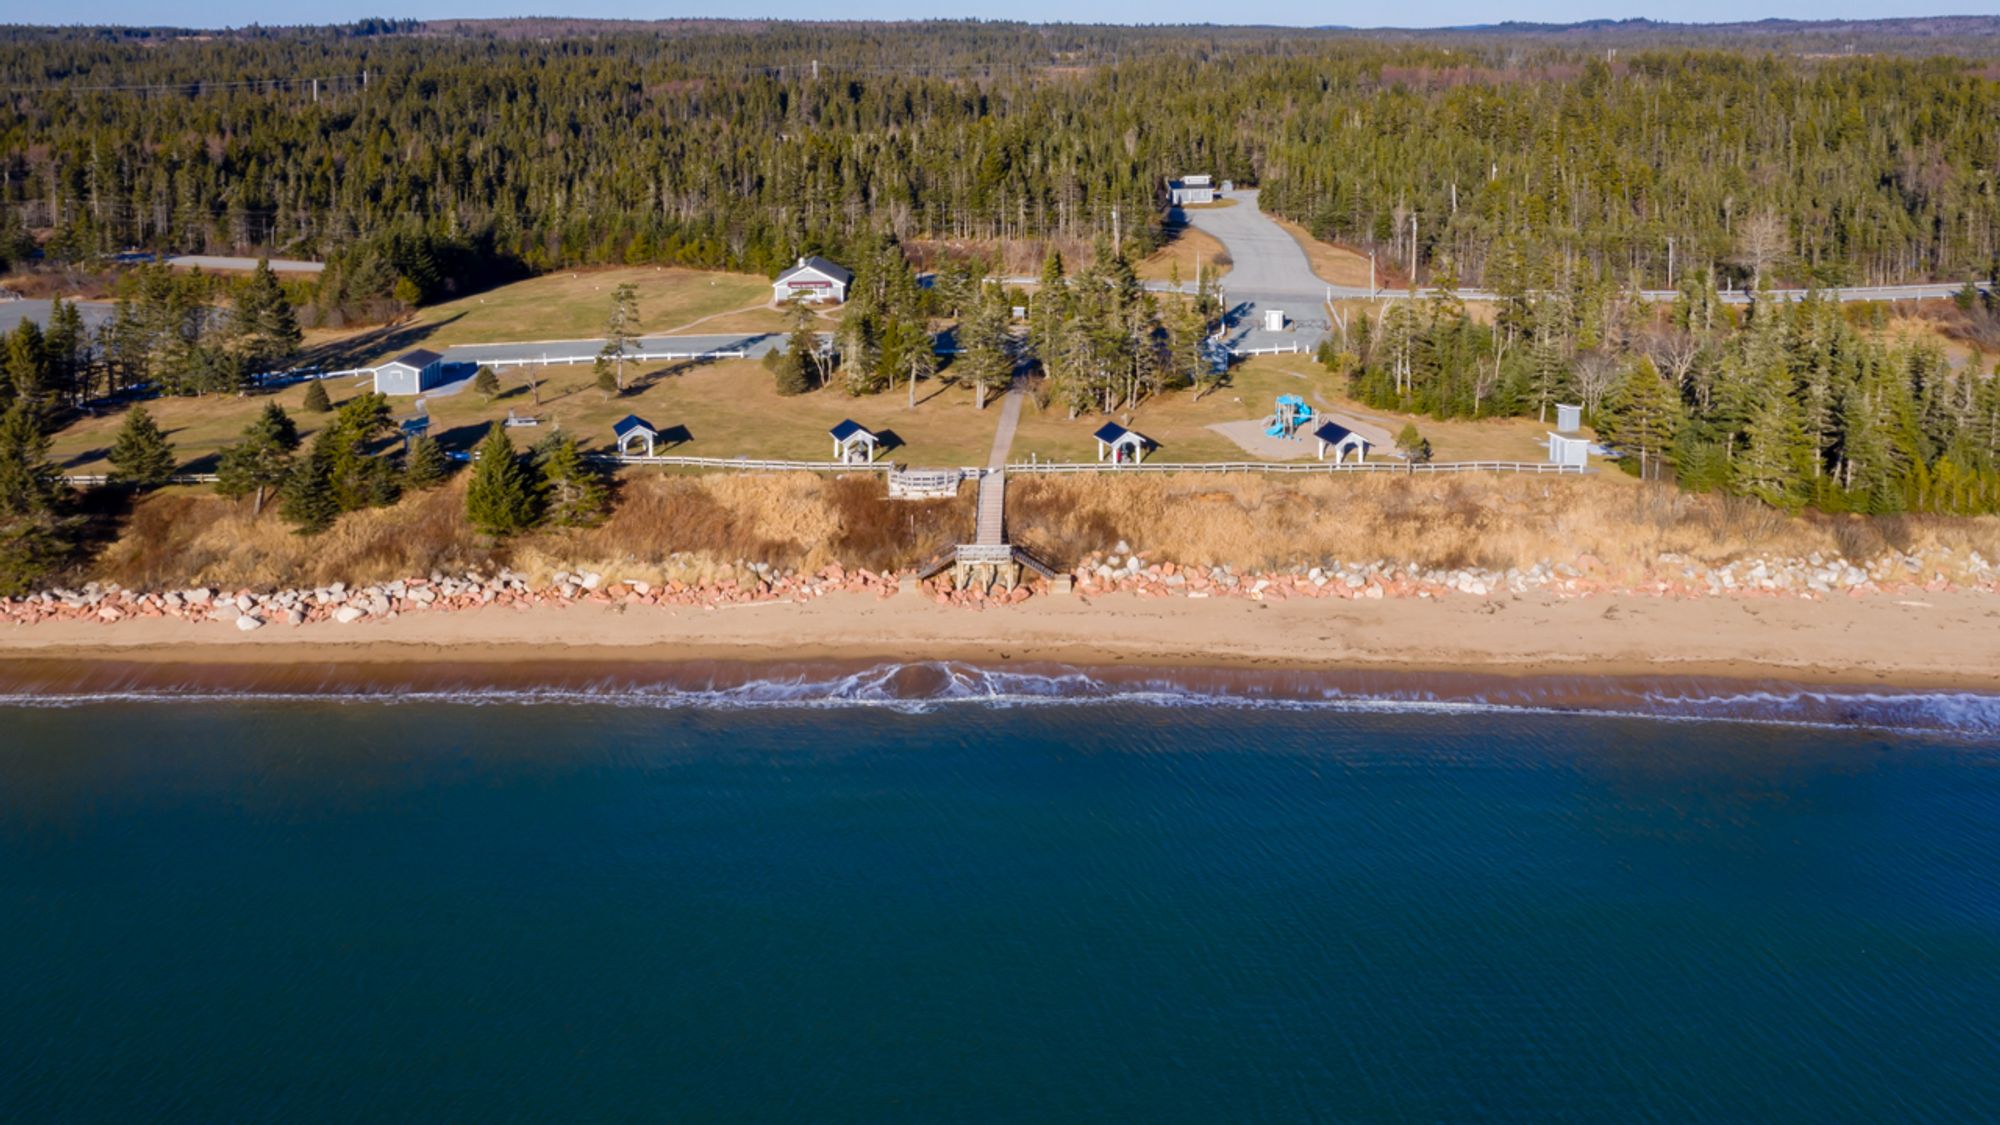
x,y
1791,402
418,166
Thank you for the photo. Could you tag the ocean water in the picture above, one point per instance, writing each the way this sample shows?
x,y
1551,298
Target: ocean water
x,y
939,896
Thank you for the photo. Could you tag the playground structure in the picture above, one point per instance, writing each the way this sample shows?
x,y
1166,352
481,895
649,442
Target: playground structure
x,y
1291,415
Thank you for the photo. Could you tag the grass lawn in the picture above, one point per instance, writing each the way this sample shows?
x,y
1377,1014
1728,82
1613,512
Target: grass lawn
x,y
1180,424
730,409
572,305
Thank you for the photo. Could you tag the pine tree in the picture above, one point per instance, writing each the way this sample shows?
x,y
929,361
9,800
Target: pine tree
x,y
1642,416
309,504
486,384
316,399
620,329
36,534
424,464
140,456
606,381
504,495
1771,465
574,493
261,460
985,358
265,322
795,368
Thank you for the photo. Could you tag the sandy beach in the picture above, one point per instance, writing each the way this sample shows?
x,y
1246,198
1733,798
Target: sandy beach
x,y
1931,640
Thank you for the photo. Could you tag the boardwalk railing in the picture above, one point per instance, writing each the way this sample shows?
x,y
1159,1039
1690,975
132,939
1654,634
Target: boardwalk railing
x,y
752,464
1535,467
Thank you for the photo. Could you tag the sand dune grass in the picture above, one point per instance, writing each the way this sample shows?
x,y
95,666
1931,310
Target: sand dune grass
x,y
689,527
1447,521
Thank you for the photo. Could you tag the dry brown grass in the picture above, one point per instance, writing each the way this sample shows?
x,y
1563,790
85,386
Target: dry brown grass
x,y
698,528
1488,521
185,537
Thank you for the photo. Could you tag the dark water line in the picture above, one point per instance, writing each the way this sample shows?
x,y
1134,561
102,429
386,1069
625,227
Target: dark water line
x,y
920,687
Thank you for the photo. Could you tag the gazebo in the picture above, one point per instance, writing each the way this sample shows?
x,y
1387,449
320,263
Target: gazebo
x,y
631,430
1121,446
854,443
1337,439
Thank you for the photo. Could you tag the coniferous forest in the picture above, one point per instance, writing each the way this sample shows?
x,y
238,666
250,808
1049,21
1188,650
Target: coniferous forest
x,y
443,158
1561,173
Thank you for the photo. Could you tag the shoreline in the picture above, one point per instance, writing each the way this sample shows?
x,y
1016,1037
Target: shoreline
x,y
1944,641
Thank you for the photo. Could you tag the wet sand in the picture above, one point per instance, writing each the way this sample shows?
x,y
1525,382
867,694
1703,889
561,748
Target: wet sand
x,y
1934,641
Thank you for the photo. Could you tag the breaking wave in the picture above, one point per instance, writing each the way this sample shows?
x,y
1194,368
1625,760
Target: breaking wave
x,y
921,687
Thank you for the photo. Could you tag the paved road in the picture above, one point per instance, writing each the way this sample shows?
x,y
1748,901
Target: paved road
x,y
219,262
13,313
1269,271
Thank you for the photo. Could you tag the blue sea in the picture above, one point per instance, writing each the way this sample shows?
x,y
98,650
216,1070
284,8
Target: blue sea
x,y
949,894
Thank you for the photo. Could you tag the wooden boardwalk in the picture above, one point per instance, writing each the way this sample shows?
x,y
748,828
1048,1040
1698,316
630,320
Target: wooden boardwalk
x,y
992,527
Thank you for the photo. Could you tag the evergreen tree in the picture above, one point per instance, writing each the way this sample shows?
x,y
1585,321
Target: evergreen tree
x,y
504,495
486,384
985,356
140,456
573,491
1641,416
261,460
36,536
316,398
1771,465
265,322
425,465
795,367
621,331
309,503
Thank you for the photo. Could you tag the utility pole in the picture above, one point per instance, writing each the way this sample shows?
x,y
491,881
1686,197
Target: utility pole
x,y
1413,249
315,91
1371,274
1670,261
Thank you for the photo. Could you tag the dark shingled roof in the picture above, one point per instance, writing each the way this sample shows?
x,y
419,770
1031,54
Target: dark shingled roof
x,y
1335,432
848,428
630,423
418,358
820,265
1112,431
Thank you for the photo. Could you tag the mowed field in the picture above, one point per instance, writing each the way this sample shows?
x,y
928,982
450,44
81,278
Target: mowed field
x,y
575,305
730,408
1180,423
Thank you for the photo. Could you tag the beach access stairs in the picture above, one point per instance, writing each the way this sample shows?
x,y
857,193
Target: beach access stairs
x,y
989,560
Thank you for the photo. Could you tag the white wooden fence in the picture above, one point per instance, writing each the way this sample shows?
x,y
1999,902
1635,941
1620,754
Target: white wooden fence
x,y
752,464
93,480
546,360
1535,467
1275,349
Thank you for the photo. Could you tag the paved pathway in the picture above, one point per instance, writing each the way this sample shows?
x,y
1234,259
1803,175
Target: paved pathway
x,y
1010,420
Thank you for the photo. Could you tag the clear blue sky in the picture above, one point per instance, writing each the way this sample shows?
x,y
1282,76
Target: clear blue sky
x,y
1401,13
